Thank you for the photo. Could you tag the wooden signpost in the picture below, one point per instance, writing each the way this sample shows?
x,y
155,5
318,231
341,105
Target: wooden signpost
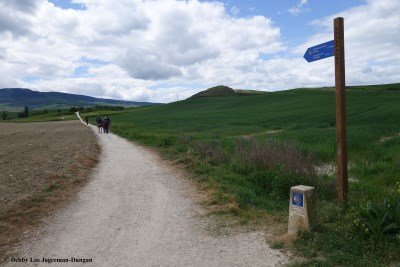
x,y
328,49
340,84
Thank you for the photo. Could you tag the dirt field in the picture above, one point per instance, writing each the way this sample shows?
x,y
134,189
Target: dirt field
x,y
41,166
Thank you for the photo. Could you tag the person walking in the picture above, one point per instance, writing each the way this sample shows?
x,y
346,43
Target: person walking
x,y
106,124
99,124
87,120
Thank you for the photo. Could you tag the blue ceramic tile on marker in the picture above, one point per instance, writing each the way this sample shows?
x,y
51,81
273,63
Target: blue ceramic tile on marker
x,y
297,199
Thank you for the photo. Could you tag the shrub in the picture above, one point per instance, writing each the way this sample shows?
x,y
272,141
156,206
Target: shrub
x,y
166,141
26,112
183,139
276,167
276,182
212,152
259,171
269,154
381,221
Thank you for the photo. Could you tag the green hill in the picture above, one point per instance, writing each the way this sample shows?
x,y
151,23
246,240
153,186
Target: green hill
x,y
305,115
290,110
249,150
222,90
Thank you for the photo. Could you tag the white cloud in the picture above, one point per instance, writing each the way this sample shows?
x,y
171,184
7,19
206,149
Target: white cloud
x,y
14,17
372,37
299,8
20,5
235,11
145,42
154,50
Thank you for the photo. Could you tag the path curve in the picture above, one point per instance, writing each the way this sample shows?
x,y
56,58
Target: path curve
x,y
137,211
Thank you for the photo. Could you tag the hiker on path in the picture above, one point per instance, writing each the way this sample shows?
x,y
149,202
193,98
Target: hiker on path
x,y
86,120
106,124
99,124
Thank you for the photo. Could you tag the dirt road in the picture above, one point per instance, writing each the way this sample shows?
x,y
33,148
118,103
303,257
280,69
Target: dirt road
x,y
137,211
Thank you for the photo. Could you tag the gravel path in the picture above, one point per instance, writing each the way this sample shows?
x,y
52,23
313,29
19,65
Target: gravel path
x,y
137,211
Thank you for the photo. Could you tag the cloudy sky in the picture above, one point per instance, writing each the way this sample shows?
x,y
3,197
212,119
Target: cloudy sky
x,y
163,50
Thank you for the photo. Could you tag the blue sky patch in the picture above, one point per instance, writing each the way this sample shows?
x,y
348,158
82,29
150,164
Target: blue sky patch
x,y
31,78
93,61
295,28
67,4
82,71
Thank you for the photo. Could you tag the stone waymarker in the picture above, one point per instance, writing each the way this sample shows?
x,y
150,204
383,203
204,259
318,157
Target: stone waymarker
x,y
302,209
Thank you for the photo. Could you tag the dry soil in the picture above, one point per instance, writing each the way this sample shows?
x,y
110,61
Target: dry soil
x,y
41,166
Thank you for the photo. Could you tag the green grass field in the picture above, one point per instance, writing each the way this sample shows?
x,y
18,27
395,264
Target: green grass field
x,y
222,139
102,112
39,115
64,114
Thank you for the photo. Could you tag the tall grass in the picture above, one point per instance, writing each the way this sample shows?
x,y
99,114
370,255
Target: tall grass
x,y
269,154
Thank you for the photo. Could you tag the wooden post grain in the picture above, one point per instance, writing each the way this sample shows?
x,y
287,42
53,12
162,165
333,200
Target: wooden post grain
x,y
343,191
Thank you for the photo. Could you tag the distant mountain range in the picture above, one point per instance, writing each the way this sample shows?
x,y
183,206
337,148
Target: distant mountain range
x,y
17,98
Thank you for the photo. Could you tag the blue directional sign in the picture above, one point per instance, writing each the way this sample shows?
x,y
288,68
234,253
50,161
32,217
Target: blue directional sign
x,y
320,51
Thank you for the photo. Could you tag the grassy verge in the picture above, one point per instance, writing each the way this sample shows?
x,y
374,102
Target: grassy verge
x,y
66,114
43,115
91,115
249,150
